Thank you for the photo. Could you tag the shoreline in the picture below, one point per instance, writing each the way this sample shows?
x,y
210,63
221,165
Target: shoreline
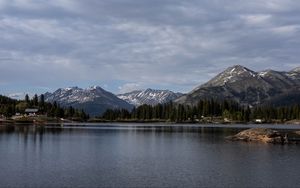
x,y
153,125
207,120
47,121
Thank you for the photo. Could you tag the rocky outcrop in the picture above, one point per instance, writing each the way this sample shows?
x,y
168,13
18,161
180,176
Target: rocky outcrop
x,y
260,135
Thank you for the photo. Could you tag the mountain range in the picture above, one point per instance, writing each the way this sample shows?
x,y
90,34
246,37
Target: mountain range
x,y
237,83
93,100
149,96
249,87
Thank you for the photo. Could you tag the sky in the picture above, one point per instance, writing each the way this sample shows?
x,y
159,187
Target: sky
x,y
123,45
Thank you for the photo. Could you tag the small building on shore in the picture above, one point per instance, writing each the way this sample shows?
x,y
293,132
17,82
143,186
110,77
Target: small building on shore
x,y
31,111
258,121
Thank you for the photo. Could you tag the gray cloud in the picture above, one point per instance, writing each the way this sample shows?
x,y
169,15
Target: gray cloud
x,y
159,43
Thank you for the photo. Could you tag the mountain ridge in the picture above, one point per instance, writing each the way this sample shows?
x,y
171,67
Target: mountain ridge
x,y
93,100
245,86
149,96
238,83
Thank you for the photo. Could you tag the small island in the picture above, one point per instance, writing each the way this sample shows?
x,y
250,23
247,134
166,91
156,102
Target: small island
x,y
265,135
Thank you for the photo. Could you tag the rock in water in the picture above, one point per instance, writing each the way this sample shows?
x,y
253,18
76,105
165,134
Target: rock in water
x,y
260,135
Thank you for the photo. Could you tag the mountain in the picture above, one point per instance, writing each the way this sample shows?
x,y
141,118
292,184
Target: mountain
x,y
247,87
149,96
93,100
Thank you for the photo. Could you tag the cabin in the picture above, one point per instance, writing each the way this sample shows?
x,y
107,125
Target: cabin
x,y
31,111
226,120
258,121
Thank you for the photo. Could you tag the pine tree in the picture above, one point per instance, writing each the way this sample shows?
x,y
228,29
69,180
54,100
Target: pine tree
x,y
35,100
27,100
42,100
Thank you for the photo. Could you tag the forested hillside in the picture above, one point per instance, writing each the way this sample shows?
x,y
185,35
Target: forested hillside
x,y
9,107
205,110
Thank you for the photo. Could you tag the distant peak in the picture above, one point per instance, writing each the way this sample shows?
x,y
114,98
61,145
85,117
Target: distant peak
x,y
95,87
230,75
150,90
238,68
149,96
70,88
155,90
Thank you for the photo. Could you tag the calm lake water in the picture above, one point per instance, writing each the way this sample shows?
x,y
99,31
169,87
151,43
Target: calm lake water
x,y
135,155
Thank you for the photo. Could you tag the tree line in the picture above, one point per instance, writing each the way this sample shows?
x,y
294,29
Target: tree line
x,y
205,110
9,107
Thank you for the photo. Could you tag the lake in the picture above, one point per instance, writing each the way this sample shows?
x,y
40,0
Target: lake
x,y
142,155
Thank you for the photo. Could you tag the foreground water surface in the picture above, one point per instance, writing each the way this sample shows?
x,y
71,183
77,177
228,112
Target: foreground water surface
x,y
135,155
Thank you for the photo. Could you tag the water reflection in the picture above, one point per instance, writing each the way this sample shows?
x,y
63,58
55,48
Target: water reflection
x,y
7,129
140,156
36,130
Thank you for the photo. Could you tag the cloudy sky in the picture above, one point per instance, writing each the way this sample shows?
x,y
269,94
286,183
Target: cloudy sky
x,y
123,45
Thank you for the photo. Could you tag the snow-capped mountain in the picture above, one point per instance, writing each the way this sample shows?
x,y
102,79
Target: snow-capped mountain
x,y
149,96
231,75
246,86
93,100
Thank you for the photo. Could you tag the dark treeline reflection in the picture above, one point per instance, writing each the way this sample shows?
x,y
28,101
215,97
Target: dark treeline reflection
x,y
176,129
41,130
28,129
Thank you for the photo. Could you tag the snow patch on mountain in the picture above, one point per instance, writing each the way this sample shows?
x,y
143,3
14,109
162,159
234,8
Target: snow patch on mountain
x,y
263,73
297,69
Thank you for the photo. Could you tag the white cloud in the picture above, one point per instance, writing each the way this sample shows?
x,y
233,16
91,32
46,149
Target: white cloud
x,y
175,44
128,87
20,95
286,30
257,19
